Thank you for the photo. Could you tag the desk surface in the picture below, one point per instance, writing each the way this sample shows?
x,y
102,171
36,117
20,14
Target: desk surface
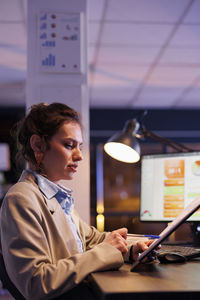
x,y
153,279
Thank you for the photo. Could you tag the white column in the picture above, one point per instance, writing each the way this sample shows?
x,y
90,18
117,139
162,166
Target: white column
x,y
57,71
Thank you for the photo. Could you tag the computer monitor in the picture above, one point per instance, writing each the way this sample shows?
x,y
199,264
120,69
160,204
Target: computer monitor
x,y
168,183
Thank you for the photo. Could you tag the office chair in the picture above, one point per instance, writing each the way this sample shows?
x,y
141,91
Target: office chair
x,y
7,283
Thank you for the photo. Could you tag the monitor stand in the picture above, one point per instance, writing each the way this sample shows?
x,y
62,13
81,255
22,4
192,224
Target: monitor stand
x,y
195,229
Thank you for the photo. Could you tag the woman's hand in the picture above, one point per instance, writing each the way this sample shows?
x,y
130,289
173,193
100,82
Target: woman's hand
x,y
140,247
117,238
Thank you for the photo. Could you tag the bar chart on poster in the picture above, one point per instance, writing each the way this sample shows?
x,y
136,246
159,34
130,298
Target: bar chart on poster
x,y
60,42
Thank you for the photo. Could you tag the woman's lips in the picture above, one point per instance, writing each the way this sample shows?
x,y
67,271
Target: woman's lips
x,y
73,168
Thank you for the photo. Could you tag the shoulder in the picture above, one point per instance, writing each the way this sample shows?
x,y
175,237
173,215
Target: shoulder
x,y
22,187
24,193
25,185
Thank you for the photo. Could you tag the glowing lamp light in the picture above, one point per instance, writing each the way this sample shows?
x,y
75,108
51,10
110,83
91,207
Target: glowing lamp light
x,y
100,222
100,207
123,145
122,152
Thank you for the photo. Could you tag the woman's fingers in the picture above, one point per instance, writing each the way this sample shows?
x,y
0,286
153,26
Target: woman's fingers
x,y
140,247
117,238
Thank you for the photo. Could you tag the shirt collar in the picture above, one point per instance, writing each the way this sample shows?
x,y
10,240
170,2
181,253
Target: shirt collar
x,y
49,188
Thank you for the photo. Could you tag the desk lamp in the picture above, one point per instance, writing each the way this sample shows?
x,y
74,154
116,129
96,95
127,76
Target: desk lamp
x,y
124,145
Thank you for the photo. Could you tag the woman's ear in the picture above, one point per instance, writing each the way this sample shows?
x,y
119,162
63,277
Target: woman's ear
x,y
37,143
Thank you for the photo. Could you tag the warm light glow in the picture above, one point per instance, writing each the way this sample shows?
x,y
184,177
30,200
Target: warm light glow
x,y
100,222
121,152
100,207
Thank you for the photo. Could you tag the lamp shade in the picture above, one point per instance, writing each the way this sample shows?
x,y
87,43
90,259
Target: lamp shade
x,y
123,145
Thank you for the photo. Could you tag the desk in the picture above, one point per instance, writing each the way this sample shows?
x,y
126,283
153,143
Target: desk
x,y
152,281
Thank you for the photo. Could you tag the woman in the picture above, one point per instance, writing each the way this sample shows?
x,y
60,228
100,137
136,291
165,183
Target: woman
x,y
47,249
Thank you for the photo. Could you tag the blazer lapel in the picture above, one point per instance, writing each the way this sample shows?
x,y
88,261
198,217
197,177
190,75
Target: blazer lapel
x,y
52,204
63,226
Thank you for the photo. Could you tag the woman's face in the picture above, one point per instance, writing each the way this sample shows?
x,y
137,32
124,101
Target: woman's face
x,y
61,159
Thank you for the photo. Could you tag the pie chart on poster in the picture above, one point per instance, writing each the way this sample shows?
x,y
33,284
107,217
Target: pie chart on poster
x,y
196,168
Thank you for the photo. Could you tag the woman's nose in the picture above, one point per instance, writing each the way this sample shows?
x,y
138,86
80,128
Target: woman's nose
x,y
78,154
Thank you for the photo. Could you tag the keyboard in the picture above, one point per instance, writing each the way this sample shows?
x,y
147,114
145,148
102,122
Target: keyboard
x,y
188,252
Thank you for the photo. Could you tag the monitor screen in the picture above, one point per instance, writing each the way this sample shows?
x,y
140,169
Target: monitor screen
x,y
168,183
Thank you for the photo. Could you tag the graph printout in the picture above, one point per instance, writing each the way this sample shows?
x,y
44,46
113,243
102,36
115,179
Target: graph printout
x,y
59,36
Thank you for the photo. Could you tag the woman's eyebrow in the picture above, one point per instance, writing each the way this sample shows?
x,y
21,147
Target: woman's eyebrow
x,y
72,140
68,139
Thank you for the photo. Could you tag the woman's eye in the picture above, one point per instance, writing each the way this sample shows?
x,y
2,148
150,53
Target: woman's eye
x,y
68,146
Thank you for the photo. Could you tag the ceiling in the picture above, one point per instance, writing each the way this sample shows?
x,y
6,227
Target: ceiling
x,y
141,53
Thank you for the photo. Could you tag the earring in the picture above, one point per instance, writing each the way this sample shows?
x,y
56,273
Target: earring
x,y
38,157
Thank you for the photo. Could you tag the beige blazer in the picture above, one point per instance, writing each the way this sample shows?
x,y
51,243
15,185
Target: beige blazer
x,y
38,246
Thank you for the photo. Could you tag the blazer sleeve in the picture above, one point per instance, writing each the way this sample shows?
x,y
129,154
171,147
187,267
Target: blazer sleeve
x,y
28,256
91,237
